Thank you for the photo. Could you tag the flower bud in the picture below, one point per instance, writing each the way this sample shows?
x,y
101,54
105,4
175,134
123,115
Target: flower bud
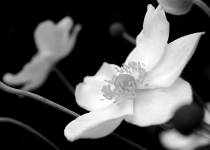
x,y
188,118
176,7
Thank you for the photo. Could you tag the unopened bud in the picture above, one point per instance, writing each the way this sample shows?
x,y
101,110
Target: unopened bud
x,y
116,29
181,7
176,7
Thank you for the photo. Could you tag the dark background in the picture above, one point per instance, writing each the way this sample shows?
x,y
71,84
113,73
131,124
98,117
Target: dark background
x,y
94,46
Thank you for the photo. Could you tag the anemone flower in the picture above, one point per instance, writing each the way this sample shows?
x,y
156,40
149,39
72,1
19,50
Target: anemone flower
x,y
173,140
145,91
54,42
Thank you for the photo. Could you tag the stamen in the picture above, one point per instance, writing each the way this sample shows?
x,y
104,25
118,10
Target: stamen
x,y
124,85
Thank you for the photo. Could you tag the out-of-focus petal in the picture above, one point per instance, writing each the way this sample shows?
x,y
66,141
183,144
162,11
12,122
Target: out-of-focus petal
x,y
152,40
89,95
177,55
176,7
173,140
31,76
55,40
48,38
98,123
207,114
157,106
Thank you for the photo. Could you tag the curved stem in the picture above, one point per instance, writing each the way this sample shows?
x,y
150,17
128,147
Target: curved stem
x,y
64,80
38,98
201,4
28,128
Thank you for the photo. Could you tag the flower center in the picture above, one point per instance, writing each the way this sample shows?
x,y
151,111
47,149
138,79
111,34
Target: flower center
x,y
124,85
120,87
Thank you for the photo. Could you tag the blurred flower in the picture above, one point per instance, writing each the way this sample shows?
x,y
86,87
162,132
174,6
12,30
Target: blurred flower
x,y
54,42
181,7
145,91
173,140
176,7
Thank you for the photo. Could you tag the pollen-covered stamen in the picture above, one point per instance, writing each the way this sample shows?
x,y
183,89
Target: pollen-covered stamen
x,y
125,83
124,86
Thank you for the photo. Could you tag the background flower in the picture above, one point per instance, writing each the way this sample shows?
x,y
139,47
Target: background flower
x,y
54,42
173,140
181,7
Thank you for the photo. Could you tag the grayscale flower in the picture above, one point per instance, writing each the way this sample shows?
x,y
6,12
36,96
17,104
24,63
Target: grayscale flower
x,y
54,42
145,91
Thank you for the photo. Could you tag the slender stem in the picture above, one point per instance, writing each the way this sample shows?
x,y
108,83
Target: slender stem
x,y
28,128
129,141
129,38
201,4
38,98
199,99
64,80
57,106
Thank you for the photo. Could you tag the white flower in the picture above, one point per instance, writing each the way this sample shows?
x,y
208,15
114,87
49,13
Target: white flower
x,y
54,42
176,7
181,7
173,140
146,91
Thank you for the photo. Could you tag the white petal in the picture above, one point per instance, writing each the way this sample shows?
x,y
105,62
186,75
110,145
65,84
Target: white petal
x,y
48,38
176,7
157,106
89,95
98,123
177,55
207,114
55,40
175,141
152,40
32,75
66,23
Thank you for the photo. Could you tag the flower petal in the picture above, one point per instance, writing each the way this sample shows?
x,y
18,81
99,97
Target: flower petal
x,y
157,106
98,123
173,140
89,95
178,53
55,40
176,7
32,75
207,114
152,40
48,38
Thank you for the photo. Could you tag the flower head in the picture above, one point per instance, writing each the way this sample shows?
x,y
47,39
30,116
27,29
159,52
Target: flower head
x,y
173,140
54,42
176,7
145,91
181,7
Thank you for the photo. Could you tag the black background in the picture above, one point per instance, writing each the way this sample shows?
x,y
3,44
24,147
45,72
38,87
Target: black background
x,y
94,46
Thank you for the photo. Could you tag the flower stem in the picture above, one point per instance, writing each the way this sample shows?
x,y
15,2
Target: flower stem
x,y
38,98
58,107
199,99
64,80
129,38
201,4
28,128
129,141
